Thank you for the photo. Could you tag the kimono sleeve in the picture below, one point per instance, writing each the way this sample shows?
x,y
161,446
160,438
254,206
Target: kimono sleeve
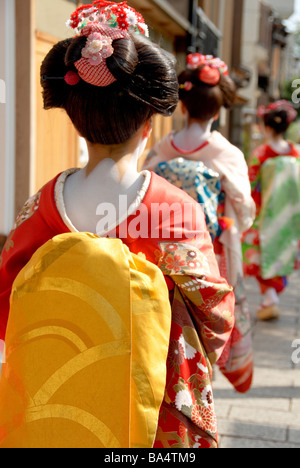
x,y
254,176
236,185
208,297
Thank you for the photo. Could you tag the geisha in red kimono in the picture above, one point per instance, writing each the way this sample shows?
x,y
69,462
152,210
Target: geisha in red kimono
x,y
271,246
112,305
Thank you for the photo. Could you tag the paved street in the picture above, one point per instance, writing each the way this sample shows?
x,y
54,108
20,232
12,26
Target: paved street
x,y
269,415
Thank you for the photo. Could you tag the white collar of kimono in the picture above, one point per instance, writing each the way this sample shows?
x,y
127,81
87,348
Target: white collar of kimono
x,y
83,194
60,204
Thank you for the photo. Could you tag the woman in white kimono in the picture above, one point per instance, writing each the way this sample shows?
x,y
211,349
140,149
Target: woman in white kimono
x,y
197,153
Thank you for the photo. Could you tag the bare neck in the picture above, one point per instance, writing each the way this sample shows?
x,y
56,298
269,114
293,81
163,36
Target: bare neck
x,y
193,135
111,172
279,144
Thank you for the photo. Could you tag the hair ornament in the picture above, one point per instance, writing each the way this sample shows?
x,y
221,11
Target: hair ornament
x,y
111,14
98,48
210,75
211,68
92,67
103,22
187,86
71,78
278,106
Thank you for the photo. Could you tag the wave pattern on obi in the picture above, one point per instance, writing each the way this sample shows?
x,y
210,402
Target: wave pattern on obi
x,y
86,348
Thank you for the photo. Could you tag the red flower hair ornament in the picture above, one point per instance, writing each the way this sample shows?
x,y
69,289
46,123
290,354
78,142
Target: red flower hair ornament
x,y
210,75
210,68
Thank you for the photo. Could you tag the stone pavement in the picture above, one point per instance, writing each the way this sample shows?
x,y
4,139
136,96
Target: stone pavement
x,y
269,415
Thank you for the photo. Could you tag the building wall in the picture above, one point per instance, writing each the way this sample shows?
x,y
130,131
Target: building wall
x,y
181,6
7,121
291,68
284,8
212,9
50,17
252,53
220,13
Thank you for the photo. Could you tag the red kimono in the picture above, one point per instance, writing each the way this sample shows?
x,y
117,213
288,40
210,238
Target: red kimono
x,y
187,416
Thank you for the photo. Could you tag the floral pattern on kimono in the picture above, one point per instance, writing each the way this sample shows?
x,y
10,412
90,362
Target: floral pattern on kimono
x,y
200,320
28,210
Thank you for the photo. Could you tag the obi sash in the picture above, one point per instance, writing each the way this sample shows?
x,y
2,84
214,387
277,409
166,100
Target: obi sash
x,y
86,348
279,220
198,181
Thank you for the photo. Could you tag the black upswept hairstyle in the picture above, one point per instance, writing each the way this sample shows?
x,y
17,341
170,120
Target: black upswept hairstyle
x,y
204,101
277,120
146,85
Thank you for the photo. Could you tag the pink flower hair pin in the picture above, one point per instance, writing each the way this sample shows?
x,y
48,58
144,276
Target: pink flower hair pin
x,y
98,48
92,67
